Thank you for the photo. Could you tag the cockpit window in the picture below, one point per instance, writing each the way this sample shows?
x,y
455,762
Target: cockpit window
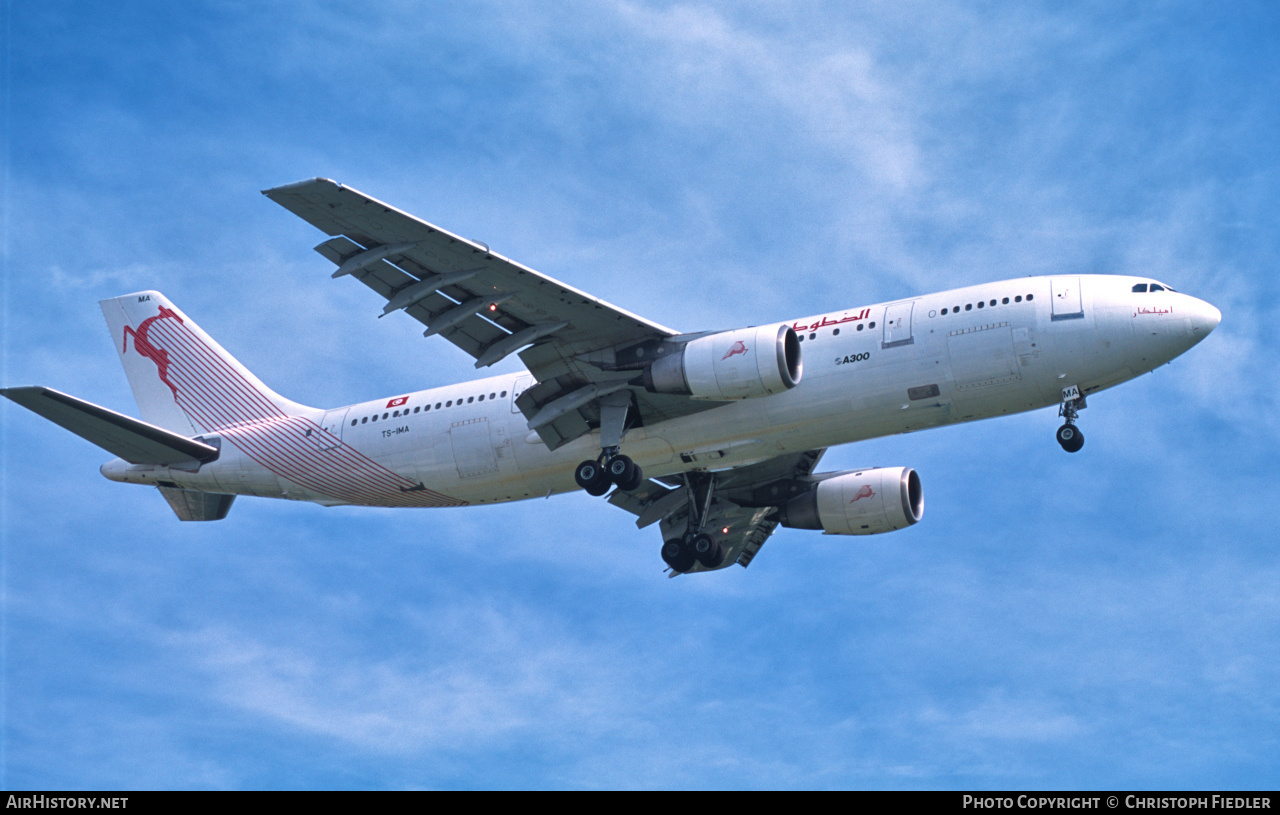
x,y
1156,287
1141,287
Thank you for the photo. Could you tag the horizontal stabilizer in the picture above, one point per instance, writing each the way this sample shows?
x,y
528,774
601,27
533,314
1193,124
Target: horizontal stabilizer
x,y
135,441
193,505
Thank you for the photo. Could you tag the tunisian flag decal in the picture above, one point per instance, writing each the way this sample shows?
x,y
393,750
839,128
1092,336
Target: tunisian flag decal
x,y
398,402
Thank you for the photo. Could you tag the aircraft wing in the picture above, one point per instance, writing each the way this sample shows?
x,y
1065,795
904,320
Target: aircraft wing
x,y
487,305
743,501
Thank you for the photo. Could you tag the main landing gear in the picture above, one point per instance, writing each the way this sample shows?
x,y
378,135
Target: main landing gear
x,y
1069,436
695,546
610,467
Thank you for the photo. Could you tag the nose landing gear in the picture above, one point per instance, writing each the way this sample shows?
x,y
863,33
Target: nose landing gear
x,y
1069,436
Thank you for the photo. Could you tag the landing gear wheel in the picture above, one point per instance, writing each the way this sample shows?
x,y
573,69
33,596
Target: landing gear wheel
x,y
620,468
592,477
1070,437
677,555
625,473
634,482
708,552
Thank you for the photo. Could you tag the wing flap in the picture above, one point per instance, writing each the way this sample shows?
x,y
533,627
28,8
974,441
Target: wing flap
x,y
135,441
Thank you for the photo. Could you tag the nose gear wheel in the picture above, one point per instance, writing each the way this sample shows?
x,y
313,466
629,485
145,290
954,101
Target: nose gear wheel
x,y
1069,436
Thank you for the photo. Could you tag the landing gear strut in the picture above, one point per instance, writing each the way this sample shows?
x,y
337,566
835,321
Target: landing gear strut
x,y
610,467
1069,436
695,546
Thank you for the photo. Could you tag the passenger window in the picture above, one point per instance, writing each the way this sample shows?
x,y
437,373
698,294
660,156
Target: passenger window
x,y
1030,297
384,415
835,332
968,306
944,312
859,326
482,397
981,304
470,399
437,405
375,417
1140,287
353,422
813,336
1018,299
993,302
503,394
873,324
1003,302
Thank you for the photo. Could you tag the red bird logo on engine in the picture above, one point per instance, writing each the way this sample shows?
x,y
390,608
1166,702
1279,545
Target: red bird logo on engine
x,y
738,347
865,492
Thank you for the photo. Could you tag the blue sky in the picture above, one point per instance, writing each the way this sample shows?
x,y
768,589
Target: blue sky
x,y
1108,619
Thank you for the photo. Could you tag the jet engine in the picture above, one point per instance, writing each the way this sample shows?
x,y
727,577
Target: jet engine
x,y
741,364
859,502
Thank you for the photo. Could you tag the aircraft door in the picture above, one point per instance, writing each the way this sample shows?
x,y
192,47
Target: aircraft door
x,y
1066,299
897,325
522,384
333,423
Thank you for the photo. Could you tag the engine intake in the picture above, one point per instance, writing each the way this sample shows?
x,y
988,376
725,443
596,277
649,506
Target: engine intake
x,y
742,364
861,502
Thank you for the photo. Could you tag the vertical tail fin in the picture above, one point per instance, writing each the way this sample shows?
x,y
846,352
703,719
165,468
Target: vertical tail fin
x,y
183,380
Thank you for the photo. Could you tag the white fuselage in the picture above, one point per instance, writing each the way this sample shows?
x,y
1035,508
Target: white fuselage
x,y
870,371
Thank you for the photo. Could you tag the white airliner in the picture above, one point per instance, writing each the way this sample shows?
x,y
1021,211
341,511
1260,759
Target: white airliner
x,y
712,435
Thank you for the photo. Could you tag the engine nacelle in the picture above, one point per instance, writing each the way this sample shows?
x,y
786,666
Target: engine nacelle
x,y
742,364
861,502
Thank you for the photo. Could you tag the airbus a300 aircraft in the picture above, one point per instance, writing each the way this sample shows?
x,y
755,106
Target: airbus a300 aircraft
x,y
713,435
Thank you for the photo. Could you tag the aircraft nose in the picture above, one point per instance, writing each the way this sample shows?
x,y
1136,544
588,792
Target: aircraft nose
x,y
1204,318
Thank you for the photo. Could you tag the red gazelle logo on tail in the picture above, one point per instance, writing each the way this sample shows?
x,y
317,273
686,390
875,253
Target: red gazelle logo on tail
x,y
142,344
